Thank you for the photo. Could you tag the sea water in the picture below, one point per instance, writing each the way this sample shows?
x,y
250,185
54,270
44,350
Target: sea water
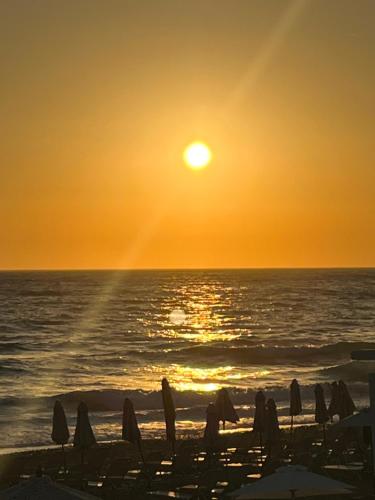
x,y
99,336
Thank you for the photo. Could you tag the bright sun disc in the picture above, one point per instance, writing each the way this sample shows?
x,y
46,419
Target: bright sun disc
x,y
197,155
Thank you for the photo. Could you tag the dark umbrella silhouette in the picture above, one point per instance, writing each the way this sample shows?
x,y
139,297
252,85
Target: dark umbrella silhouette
x,y
225,408
295,402
259,424
321,412
346,406
334,405
60,432
83,437
211,431
130,429
272,425
169,413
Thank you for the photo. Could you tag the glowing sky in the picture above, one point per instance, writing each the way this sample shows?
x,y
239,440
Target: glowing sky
x,y
99,99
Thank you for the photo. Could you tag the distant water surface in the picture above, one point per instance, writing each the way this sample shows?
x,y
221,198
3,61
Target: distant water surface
x,y
92,335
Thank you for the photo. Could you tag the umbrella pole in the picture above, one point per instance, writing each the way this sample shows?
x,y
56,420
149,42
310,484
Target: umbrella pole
x,y
64,458
291,428
324,436
223,425
141,452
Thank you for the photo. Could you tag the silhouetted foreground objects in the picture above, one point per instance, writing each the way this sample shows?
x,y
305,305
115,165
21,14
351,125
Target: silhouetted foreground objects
x,y
346,406
60,432
114,470
272,429
225,408
334,405
321,412
212,467
130,429
211,431
295,403
169,413
259,424
83,437
369,355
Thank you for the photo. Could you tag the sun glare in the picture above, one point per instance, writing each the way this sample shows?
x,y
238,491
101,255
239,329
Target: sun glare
x,y
197,155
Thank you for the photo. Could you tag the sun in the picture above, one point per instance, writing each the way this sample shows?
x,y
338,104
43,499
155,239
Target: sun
x,y
197,155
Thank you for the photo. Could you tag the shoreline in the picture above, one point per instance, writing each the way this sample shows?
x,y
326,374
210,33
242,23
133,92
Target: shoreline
x,y
235,437
193,436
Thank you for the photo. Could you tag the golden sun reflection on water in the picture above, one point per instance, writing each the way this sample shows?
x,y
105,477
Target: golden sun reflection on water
x,y
188,378
197,316
202,336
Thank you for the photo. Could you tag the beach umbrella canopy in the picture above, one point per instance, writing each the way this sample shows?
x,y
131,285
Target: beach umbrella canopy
x,y
295,399
260,412
60,431
211,431
83,436
346,405
333,408
169,411
225,408
43,488
130,430
272,422
321,412
292,481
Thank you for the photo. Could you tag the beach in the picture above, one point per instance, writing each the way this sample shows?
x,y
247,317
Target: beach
x,y
115,470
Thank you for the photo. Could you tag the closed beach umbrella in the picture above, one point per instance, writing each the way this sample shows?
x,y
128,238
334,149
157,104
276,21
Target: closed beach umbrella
x,y
333,408
60,431
272,424
321,412
292,481
295,402
83,437
211,431
259,424
346,405
225,408
169,412
43,488
130,429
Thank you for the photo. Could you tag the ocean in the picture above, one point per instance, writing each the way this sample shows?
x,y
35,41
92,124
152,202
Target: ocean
x,y
100,335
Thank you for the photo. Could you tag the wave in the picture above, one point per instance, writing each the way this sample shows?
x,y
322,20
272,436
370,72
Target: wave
x,y
112,399
355,371
267,354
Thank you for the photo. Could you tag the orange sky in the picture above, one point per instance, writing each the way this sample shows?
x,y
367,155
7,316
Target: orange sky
x,y
99,99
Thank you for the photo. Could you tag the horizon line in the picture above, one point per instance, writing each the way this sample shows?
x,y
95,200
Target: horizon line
x,y
140,269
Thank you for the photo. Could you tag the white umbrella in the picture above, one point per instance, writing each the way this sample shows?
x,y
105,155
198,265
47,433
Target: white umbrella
x,y
292,481
43,488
